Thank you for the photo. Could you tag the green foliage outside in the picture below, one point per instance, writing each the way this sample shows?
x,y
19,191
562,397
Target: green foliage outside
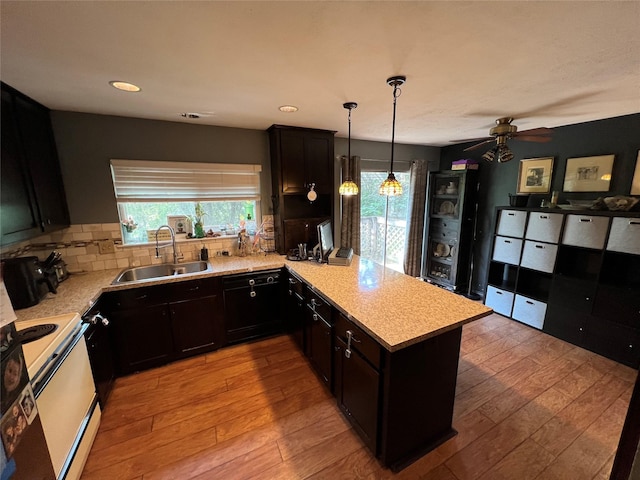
x,y
217,216
372,204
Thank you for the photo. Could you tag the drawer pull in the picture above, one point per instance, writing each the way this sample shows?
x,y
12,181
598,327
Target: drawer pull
x,y
315,317
511,214
544,217
587,220
498,293
141,297
194,289
292,281
631,222
252,294
529,302
252,282
507,241
539,246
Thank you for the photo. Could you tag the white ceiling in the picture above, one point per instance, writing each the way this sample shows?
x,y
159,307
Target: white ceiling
x,y
466,63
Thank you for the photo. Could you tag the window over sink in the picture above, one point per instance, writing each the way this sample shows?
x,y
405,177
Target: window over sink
x,y
223,198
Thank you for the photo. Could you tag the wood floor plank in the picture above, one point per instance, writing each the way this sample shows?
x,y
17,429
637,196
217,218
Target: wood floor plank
x,y
560,431
315,458
360,465
525,462
245,466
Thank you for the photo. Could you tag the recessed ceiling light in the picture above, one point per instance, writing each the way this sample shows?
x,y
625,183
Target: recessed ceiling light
x,y
288,108
125,86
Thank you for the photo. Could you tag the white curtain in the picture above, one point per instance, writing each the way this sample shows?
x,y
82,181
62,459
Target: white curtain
x,y
350,231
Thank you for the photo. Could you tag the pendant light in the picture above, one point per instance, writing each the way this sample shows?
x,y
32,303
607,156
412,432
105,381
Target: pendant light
x,y
349,187
391,187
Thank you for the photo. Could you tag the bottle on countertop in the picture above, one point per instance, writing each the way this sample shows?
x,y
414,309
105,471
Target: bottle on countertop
x,y
204,254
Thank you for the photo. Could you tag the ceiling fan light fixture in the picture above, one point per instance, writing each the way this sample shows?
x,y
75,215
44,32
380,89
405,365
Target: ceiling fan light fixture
x,y
490,155
391,187
349,187
504,154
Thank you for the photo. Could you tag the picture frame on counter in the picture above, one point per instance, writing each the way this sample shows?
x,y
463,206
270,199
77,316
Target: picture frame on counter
x,y
635,184
180,223
588,174
535,175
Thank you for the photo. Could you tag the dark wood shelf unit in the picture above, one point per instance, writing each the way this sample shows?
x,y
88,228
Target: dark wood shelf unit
x,y
448,237
580,283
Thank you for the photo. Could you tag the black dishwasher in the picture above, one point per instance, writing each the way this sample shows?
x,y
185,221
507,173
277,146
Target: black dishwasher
x,y
252,305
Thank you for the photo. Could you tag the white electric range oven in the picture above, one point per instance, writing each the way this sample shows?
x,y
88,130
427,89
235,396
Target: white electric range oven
x,y
60,373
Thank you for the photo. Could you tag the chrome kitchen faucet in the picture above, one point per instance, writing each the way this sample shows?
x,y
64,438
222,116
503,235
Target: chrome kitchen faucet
x,y
173,243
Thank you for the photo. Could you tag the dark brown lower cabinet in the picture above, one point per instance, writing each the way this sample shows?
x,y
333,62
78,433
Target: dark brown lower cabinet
x,y
152,326
197,325
142,338
401,402
357,389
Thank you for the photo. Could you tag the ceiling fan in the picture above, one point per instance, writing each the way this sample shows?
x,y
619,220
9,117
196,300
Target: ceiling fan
x,y
502,132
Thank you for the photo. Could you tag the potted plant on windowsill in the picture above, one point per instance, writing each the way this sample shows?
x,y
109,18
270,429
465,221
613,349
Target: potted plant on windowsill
x,y
198,225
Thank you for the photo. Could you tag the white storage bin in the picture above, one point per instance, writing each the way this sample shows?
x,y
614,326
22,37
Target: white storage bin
x,y
511,223
507,250
625,235
585,231
529,311
501,301
544,227
539,256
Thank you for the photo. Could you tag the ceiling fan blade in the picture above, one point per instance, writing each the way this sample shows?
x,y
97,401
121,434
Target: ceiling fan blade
x,y
465,140
473,147
534,131
532,138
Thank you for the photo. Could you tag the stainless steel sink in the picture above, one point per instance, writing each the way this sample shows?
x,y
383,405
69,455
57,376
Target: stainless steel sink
x,y
159,271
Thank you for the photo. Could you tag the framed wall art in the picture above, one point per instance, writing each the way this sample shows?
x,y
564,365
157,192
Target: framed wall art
x,y
179,223
535,175
635,184
588,174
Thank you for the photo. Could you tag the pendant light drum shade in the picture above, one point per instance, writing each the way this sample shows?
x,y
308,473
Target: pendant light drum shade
x,y
349,187
392,187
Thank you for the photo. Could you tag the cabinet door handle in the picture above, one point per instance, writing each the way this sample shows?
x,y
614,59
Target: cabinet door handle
x,y
587,220
252,282
539,246
631,222
292,281
141,297
194,289
507,241
544,217
315,317
252,293
498,293
530,303
511,214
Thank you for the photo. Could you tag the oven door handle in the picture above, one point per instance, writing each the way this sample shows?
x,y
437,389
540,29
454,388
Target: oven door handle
x,y
44,376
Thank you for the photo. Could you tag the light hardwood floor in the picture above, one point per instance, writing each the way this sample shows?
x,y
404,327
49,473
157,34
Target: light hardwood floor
x,y
528,406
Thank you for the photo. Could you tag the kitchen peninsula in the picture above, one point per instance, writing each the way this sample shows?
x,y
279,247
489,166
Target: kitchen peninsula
x,y
391,341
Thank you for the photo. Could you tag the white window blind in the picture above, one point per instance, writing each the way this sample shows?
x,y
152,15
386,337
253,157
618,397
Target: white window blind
x,y
153,181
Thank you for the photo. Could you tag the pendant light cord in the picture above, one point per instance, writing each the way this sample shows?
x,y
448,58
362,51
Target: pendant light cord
x,y
396,93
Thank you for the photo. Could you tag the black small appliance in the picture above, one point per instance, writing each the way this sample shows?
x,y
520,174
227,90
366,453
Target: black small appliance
x,y
26,281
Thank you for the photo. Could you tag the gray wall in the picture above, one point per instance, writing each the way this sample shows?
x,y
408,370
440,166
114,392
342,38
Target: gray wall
x,y
619,136
86,143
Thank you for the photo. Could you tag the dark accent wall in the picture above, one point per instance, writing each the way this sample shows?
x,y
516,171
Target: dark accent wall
x,y
619,136
86,142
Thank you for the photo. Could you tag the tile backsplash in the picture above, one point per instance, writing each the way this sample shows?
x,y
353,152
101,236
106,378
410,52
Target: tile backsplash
x,y
79,246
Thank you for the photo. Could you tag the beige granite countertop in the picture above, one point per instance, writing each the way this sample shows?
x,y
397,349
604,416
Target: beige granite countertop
x,y
395,309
